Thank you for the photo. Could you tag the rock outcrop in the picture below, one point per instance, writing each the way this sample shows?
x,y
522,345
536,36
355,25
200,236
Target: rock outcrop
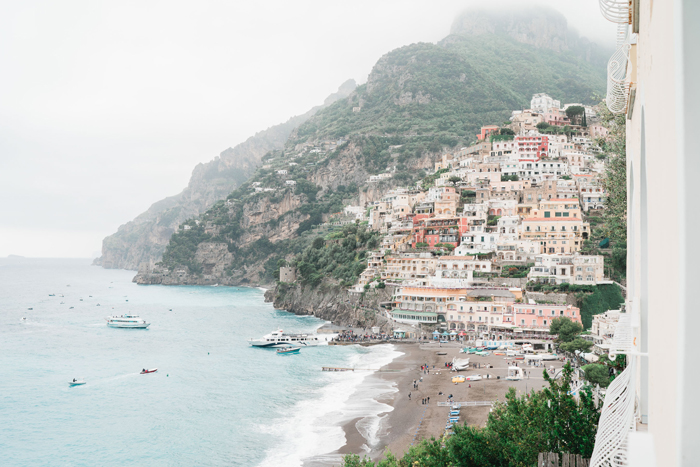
x,y
332,303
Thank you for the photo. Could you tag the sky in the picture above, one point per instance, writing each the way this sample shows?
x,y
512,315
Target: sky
x,y
106,107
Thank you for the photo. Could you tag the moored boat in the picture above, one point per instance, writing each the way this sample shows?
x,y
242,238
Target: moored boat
x,y
288,350
280,339
76,382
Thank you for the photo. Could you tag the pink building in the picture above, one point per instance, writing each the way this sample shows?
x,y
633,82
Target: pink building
x,y
556,117
486,131
540,317
531,148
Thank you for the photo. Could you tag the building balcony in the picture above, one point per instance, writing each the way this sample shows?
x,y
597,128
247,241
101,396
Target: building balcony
x,y
617,417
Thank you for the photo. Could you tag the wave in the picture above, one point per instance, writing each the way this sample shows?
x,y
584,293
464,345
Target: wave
x,y
314,427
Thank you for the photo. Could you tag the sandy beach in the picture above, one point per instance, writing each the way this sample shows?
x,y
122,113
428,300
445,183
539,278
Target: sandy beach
x,y
411,420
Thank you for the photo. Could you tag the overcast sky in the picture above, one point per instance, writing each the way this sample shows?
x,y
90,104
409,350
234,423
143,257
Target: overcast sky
x,y
106,107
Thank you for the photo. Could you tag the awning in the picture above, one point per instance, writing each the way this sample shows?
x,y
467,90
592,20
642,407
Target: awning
x,y
436,332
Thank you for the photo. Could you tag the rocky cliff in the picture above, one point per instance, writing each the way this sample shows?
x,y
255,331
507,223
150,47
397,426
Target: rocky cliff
x,y
331,303
144,239
419,101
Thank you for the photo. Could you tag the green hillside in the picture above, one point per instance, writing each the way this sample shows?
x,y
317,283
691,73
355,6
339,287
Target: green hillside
x,y
454,88
418,101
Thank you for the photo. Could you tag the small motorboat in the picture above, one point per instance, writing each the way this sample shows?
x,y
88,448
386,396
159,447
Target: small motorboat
x,y
288,350
145,371
76,382
52,295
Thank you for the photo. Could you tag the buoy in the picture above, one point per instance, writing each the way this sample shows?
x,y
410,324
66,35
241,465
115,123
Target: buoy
x,y
167,375
207,353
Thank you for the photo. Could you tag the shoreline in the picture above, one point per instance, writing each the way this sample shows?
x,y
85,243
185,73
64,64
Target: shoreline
x,y
410,421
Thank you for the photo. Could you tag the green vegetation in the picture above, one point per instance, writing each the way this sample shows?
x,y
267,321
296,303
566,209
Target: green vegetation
x,y
579,344
577,115
604,297
455,87
517,430
597,374
565,329
341,256
183,246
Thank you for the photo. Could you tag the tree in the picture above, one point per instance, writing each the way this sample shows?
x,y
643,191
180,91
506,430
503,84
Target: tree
x,y
615,174
580,344
575,114
543,126
318,243
597,374
454,179
565,329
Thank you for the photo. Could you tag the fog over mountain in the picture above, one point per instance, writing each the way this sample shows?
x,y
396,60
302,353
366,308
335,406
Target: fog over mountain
x,y
107,108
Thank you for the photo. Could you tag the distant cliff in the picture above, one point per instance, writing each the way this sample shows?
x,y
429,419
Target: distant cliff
x,y
144,239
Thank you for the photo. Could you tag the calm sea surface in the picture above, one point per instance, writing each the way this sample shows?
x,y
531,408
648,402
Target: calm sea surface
x,y
214,400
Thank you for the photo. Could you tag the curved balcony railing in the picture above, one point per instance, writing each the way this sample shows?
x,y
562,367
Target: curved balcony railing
x,y
617,11
618,86
617,418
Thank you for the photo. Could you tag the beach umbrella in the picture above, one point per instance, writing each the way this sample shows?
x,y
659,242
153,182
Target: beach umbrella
x,y
445,333
462,333
436,332
453,333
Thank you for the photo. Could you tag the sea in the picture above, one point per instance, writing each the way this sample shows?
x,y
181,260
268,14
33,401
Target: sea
x,y
214,401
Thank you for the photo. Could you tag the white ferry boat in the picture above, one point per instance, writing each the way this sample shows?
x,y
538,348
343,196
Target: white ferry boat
x,y
280,339
127,321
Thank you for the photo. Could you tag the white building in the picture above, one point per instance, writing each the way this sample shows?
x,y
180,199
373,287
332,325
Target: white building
x,y
542,103
654,418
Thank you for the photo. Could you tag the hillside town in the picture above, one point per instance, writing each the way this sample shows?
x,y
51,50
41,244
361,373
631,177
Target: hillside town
x,y
509,210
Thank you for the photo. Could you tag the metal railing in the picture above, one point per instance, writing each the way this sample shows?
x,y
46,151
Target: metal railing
x,y
618,85
617,418
617,11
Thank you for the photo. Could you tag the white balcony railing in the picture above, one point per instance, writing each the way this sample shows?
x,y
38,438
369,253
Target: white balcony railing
x,y
617,11
617,418
618,85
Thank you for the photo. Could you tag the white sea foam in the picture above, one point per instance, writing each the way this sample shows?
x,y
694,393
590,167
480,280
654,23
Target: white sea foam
x,y
313,428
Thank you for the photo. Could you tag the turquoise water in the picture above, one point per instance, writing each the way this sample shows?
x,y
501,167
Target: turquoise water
x,y
214,400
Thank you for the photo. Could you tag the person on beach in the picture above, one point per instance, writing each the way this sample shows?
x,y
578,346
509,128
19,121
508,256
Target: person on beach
x,y
428,399
409,396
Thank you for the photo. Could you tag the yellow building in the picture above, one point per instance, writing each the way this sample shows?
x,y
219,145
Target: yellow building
x,y
555,234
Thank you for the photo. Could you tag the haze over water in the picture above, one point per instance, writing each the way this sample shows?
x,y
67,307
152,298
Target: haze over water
x,y
213,401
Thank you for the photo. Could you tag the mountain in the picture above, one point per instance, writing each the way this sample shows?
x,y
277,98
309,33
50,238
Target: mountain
x,y
144,239
419,101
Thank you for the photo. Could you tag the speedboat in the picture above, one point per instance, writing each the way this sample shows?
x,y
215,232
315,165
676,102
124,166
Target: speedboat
x,y
76,382
146,371
288,350
280,339
127,321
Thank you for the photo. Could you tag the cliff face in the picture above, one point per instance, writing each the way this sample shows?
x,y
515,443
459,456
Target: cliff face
x,y
144,239
331,303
